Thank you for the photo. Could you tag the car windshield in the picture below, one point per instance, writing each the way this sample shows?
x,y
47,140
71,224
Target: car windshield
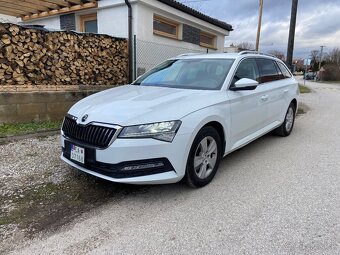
x,y
203,74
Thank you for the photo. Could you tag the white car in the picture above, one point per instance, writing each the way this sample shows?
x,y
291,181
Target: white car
x,y
180,119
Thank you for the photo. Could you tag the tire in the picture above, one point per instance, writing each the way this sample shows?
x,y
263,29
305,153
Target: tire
x,y
202,164
288,124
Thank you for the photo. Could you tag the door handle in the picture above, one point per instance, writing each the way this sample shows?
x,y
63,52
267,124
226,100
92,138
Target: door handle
x,y
264,98
286,91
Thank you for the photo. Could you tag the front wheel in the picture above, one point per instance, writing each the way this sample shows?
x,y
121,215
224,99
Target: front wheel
x,y
287,126
204,158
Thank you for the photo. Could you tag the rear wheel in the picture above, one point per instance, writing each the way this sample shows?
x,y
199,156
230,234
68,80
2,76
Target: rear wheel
x,y
287,126
204,158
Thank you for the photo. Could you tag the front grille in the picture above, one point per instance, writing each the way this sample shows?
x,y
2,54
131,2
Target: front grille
x,y
92,135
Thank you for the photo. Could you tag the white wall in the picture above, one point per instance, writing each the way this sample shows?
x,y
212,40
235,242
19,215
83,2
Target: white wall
x,y
8,19
50,22
113,21
144,29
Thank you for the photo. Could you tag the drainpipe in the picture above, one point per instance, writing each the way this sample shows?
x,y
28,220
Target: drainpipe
x,y
130,41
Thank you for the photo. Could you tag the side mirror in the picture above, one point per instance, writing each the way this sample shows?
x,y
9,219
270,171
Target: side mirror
x,y
244,84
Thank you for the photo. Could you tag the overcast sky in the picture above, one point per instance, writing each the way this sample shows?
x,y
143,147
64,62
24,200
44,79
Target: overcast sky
x,y
318,22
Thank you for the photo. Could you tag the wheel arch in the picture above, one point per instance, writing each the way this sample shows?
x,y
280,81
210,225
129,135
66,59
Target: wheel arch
x,y
295,103
220,130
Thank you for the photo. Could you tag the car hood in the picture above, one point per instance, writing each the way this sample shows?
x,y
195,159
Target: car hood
x,y
132,105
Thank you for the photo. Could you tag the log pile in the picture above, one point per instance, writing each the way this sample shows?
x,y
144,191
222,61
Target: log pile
x,y
30,56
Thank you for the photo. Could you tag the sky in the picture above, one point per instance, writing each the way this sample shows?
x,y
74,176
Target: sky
x,y
318,23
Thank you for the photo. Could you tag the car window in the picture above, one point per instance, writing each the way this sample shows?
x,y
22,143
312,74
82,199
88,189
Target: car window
x,y
284,70
268,70
205,74
247,69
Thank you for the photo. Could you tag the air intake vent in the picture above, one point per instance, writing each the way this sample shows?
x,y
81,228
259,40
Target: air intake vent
x,y
92,135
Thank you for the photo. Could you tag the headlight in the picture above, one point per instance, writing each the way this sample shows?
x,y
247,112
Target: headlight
x,y
164,131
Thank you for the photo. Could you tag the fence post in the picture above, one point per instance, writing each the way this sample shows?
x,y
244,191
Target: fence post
x,y
134,57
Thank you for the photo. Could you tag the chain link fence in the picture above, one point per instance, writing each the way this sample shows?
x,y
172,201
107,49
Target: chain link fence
x,y
150,54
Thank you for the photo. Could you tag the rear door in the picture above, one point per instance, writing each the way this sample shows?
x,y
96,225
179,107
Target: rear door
x,y
273,85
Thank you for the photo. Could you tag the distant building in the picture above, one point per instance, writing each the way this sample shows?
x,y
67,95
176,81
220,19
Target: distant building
x,y
231,49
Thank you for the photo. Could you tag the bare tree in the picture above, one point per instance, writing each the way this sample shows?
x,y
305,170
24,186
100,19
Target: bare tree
x,y
277,53
334,57
314,55
245,46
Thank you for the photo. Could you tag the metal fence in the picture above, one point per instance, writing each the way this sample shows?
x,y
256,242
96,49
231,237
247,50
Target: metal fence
x,y
149,54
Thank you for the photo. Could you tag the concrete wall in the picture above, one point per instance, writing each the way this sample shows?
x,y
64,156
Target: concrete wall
x,y
16,107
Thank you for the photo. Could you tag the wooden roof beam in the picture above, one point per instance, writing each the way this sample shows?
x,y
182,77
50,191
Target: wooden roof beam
x,y
62,3
14,11
60,11
10,13
77,2
23,3
49,5
17,7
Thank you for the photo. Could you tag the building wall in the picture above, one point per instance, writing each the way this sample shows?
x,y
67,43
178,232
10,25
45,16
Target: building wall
x,y
144,29
50,22
8,19
112,18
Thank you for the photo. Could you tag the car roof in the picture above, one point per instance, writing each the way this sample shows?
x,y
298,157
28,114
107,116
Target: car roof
x,y
239,55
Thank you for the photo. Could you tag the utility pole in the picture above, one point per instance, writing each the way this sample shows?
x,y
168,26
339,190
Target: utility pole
x,y
291,38
259,27
321,56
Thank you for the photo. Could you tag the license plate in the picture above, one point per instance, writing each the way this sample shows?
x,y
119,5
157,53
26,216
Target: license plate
x,y
78,154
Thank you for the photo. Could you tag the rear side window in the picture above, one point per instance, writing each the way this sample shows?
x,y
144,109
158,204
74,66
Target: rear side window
x,y
268,70
284,70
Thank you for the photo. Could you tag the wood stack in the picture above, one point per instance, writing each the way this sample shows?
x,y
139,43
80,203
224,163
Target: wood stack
x,y
33,56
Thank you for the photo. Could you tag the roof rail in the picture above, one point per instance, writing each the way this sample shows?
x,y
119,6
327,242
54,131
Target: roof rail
x,y
248,52
189,54
255,52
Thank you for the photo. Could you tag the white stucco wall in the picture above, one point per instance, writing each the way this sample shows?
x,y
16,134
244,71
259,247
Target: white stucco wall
x,y
145,26
50,22
8,19
112,18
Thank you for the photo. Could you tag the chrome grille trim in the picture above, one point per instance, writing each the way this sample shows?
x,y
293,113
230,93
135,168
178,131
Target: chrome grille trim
x,y
94,134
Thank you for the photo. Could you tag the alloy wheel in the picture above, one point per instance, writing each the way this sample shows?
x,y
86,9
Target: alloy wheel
x,y
205,157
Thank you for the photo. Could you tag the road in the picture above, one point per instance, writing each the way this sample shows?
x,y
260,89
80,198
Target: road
x,y
275,196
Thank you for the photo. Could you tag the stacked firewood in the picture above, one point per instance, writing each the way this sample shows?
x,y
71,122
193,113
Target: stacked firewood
x,y
31,56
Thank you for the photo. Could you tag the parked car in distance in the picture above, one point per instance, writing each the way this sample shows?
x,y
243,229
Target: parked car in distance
x,y
180,119
309,76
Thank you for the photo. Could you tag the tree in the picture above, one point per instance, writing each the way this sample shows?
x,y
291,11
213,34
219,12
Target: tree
x,y
245,46
334,57
277,53
314,55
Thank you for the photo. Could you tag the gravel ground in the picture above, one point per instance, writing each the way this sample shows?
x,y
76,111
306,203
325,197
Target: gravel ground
x,y
275,196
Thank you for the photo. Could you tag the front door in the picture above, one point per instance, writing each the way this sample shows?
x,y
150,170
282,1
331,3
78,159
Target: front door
x,y
248,108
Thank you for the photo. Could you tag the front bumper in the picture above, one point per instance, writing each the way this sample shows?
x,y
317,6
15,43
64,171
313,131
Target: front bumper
x,y
167,161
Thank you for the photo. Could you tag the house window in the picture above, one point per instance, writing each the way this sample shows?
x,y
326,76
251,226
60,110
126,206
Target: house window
x,y
165,27
208,40
88,23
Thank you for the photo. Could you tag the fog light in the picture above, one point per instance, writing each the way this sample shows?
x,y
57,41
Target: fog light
x,y
143,166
